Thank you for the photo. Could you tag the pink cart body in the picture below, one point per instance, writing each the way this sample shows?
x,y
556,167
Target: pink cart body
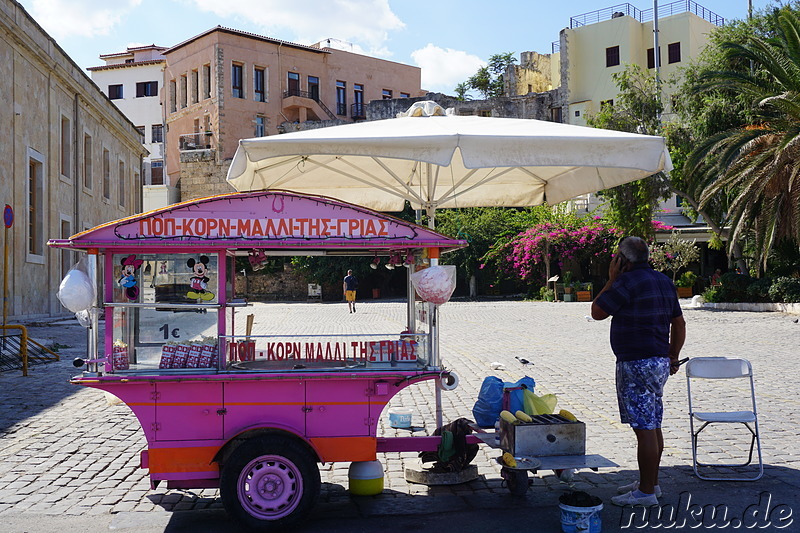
x,y
199,391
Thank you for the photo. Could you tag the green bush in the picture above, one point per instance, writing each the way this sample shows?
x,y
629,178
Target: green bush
x,y
758,291
687,279
734,288
785,290
547,294
712,295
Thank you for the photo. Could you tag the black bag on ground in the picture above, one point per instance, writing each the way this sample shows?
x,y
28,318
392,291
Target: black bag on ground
x,y
454,454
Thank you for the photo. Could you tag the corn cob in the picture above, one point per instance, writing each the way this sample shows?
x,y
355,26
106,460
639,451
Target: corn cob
x,y
523,416
569,416
508,417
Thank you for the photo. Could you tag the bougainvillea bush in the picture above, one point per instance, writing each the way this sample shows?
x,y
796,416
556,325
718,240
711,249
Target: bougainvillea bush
x,y
524,256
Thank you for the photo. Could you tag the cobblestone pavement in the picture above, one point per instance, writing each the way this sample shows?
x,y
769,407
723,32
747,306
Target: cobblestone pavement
x,y
68,451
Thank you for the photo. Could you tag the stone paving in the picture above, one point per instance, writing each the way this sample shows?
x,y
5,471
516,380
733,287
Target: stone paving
x,y
66,450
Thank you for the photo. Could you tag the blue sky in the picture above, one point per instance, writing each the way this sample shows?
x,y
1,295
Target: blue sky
x,y
448,39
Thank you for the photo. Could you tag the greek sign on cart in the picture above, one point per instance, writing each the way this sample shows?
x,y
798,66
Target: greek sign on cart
x,y
255,414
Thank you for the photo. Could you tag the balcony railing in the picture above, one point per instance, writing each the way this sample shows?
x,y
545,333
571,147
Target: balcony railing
x,y
302,94
645,15
358,111
195,141
313,96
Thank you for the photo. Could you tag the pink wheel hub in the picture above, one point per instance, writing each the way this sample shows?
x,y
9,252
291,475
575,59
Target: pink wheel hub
x,y
270,487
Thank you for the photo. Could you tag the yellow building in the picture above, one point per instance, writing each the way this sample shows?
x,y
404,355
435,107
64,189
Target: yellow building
x,y
599,44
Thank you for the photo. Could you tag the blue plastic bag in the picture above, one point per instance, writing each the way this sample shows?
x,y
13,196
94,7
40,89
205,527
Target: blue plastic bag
x,y
490,402
516,397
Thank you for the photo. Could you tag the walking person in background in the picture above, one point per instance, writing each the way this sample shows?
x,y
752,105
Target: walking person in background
x,y
349,287
647,333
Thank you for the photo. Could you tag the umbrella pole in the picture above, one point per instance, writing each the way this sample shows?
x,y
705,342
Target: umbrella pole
x,y
434,327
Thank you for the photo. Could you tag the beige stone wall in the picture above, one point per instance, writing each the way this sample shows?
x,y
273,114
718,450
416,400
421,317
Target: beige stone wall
x,y
202,175
284,286
532,75
42,91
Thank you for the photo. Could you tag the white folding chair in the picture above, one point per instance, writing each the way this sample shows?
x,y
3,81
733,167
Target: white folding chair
x,y
712,368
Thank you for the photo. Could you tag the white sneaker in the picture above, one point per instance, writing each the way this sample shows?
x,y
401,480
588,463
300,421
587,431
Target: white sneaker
x,y
630,487
629,499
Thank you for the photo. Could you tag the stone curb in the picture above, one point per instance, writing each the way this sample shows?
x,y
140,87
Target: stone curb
x,y
792,309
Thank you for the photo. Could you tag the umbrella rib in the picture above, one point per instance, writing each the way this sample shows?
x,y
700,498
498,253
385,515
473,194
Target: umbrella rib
x,y
258,172
398,179
456,185
488,178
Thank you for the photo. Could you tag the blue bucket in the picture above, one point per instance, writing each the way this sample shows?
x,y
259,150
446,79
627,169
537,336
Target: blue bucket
x,y
581,519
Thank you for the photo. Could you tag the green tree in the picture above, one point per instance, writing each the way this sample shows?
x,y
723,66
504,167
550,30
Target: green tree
x,y
748,170
637,109
674,255
488,80
461,92
482,227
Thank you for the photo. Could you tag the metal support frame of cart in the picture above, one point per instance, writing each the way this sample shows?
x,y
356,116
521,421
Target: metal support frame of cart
x,y
168,275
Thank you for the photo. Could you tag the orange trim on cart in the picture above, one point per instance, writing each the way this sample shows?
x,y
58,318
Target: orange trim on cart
x,y
184,459
332,449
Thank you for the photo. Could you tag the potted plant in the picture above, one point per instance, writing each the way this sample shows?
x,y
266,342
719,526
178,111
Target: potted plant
x,y
567,282
684,283
584,292
569,287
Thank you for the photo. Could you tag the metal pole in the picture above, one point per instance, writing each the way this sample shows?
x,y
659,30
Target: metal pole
x,y
656,55
92,332
5,282
432,315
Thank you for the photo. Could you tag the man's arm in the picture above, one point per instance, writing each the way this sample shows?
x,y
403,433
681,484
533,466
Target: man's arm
x,y
677,336
614,270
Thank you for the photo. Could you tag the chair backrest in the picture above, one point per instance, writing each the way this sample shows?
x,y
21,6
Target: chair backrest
x,y
718,368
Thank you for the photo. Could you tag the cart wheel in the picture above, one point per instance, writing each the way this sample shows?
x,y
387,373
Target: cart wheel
x,y
516,480
269,482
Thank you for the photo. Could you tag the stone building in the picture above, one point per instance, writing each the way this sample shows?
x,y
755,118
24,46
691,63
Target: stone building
x,y
224,85
70,160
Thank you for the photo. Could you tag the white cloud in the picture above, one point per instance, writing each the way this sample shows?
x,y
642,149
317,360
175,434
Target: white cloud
x,y
444,68
365,23
84,18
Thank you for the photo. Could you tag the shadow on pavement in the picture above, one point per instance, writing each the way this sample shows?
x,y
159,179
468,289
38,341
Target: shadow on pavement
x,y
22,397
687,503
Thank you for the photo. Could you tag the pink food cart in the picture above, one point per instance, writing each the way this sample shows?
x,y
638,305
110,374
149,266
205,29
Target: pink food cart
x,y
252,415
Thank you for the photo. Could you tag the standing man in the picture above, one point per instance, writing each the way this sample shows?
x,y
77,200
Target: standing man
x,y
647,334
349,287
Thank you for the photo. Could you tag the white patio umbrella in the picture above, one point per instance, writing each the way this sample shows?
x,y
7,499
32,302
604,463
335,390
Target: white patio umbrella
x,y
436,160
447,161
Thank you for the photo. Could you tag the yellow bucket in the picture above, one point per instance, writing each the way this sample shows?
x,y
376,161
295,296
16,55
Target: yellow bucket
x,y
366,478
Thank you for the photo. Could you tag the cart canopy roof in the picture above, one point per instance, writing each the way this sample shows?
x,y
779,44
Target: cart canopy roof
x,y
277,220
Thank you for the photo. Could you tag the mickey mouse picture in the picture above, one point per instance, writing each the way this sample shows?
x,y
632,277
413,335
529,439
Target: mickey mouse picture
x,y
199,282
128,280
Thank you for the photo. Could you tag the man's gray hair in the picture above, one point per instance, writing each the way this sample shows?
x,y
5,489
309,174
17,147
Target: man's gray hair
x,y
634,249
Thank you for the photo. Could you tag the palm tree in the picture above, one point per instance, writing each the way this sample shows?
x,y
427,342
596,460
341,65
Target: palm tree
x,y
756,167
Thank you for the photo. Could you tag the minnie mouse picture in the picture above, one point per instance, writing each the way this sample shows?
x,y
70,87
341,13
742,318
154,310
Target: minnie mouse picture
x,y
128,280
199,282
